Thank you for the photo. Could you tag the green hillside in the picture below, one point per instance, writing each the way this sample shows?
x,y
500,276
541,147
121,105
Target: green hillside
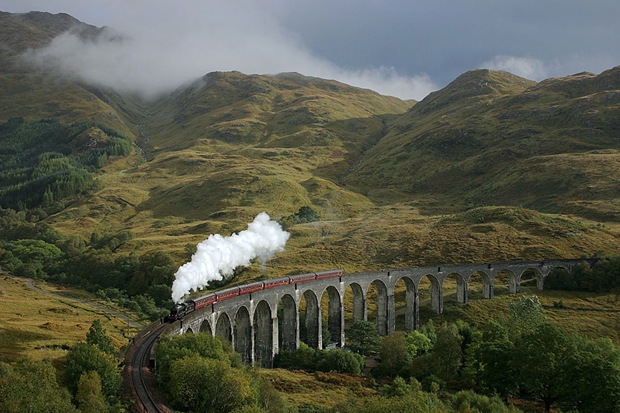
x,y
491,167
491,138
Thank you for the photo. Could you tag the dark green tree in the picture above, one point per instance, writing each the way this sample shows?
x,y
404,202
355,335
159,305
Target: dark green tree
x,y
447,354
153,269
339,361
161,293
363,338
394,355
489,360
96,336
525,315
541,358
593,377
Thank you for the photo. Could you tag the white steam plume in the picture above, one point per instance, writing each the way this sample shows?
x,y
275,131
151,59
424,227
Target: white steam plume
x,y
218,256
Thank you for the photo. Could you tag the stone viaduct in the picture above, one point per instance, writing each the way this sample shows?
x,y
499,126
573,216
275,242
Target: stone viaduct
x,y
262,323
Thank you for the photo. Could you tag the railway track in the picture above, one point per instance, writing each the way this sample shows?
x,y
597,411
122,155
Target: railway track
x,y
139,370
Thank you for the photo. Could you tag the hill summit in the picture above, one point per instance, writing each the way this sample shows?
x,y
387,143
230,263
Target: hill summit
x,y
493,166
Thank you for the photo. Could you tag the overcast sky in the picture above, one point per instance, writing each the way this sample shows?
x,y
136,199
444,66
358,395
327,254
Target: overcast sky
x,y
405,48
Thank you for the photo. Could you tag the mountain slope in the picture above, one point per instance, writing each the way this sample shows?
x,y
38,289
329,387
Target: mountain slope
x,y
551,146
31,92
380,172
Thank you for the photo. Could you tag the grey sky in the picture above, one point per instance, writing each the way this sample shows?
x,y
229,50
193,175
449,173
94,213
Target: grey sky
x,y
398,47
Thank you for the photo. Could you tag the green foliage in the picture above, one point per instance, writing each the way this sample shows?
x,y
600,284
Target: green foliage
x,y
304,215
303,358
173,348
31,386
96,336
401,388
83,358
30,257
466,401
444,360
203,375
395,355
268,398
250,408
525,315
309,359
428,330
40,165
339,361
548,364
161,294
153,269
363,338
88,396
208,385
602,277
111,241
417,343
415,402
593,377
447,353
489,360
541,360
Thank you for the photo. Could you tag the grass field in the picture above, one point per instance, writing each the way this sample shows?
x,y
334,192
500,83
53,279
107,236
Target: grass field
x,y
39,326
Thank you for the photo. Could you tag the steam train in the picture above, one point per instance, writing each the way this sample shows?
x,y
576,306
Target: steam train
x,y
180,310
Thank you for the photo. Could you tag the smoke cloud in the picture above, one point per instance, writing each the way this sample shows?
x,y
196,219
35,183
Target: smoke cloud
x,y
218,256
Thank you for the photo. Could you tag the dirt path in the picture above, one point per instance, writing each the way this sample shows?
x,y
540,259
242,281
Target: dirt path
x,y
30,284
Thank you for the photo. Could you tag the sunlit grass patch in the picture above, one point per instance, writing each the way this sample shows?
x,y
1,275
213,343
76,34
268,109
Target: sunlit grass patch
x,y
39,326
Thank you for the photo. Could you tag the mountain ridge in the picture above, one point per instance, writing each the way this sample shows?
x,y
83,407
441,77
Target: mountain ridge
x,y
382,173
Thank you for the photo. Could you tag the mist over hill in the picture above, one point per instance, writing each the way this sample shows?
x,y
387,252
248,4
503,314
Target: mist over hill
x,y
493,166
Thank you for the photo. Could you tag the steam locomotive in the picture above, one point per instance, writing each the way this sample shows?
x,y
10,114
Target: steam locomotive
x,y
180,310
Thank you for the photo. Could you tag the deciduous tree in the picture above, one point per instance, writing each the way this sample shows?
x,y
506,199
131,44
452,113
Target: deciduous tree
x,y
89,397
31,386
207,385
83,358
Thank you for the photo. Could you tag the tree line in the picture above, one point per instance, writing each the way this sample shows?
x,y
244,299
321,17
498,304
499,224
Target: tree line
x,y
31,248
604,276
42,162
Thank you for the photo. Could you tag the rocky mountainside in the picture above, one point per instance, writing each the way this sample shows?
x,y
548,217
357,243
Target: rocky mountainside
x,y
480,170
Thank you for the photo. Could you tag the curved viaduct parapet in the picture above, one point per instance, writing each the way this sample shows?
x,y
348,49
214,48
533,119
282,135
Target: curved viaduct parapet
x,y
260,323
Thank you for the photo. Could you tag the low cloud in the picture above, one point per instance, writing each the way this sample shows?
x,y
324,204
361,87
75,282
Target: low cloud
x,y
152,53
527,67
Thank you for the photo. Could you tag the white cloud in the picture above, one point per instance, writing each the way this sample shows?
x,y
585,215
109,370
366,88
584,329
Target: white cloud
x,y
388,82
528,67
163,47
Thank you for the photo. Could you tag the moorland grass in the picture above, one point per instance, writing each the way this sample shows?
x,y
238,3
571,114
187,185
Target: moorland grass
x,y
39,326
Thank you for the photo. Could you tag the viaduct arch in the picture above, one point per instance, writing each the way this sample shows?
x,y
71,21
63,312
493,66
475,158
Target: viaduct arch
x,y
261,323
